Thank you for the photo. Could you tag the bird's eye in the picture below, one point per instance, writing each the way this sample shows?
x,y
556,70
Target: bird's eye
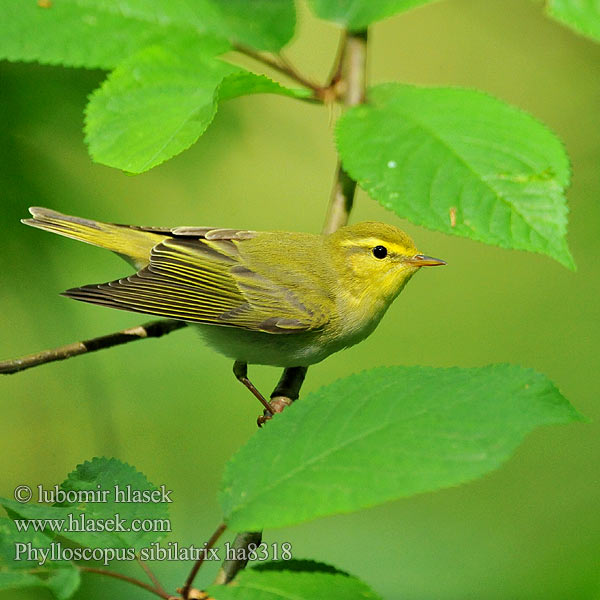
x,y
380,252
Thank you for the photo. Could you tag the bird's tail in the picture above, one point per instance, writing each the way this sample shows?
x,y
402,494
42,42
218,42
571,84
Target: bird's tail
x,y
133,244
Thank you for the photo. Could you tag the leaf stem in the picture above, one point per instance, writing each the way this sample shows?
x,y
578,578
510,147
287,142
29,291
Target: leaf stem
x,y
185,590
283,66
146,586
151,576
154,329
336,69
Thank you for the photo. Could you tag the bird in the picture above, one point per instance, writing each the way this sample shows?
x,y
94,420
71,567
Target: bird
x,y
277,298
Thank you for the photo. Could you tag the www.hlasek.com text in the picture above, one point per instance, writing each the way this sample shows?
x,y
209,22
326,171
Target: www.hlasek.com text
x,y
83,522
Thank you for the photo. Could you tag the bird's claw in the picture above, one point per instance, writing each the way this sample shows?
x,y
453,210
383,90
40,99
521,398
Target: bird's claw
x,y
262,419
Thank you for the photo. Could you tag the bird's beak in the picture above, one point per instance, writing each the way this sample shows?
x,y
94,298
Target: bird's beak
x,y
420,260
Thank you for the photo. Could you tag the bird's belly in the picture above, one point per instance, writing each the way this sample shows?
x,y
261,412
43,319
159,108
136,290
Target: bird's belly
x,y
260,348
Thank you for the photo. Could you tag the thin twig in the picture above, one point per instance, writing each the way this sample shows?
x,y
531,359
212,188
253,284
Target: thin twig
x,y
150,574
211,542
154,329
132,580
352,83
281,64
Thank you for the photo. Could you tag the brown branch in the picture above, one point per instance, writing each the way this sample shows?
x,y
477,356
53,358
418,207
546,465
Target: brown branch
x,y
283,66
348,80
185,591
161,593
341,201
154,329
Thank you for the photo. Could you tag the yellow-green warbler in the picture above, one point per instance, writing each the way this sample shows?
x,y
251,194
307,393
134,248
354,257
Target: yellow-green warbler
x,y
260,297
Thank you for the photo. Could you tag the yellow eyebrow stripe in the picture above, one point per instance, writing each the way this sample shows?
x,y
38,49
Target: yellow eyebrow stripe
x,y
372,242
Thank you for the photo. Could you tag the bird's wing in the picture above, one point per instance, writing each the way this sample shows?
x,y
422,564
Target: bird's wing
x,y
204,280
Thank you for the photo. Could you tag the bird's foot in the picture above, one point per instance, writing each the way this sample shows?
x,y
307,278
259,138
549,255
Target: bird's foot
x,y
277,404
280,403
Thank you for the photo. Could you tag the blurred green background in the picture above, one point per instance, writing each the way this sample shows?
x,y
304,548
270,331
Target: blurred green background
x,y
173,409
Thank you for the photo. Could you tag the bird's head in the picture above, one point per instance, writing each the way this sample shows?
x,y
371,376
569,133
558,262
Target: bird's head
x,y
376,259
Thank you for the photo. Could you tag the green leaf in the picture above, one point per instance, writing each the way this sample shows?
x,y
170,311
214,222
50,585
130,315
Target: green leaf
x,y
263,24
461,162
62,582
37,511
581,15
157,103
268,584
102,33
105,474
19,570
244,83
306,565
97,33
10,555
382,435
358,14
153,106
101,474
